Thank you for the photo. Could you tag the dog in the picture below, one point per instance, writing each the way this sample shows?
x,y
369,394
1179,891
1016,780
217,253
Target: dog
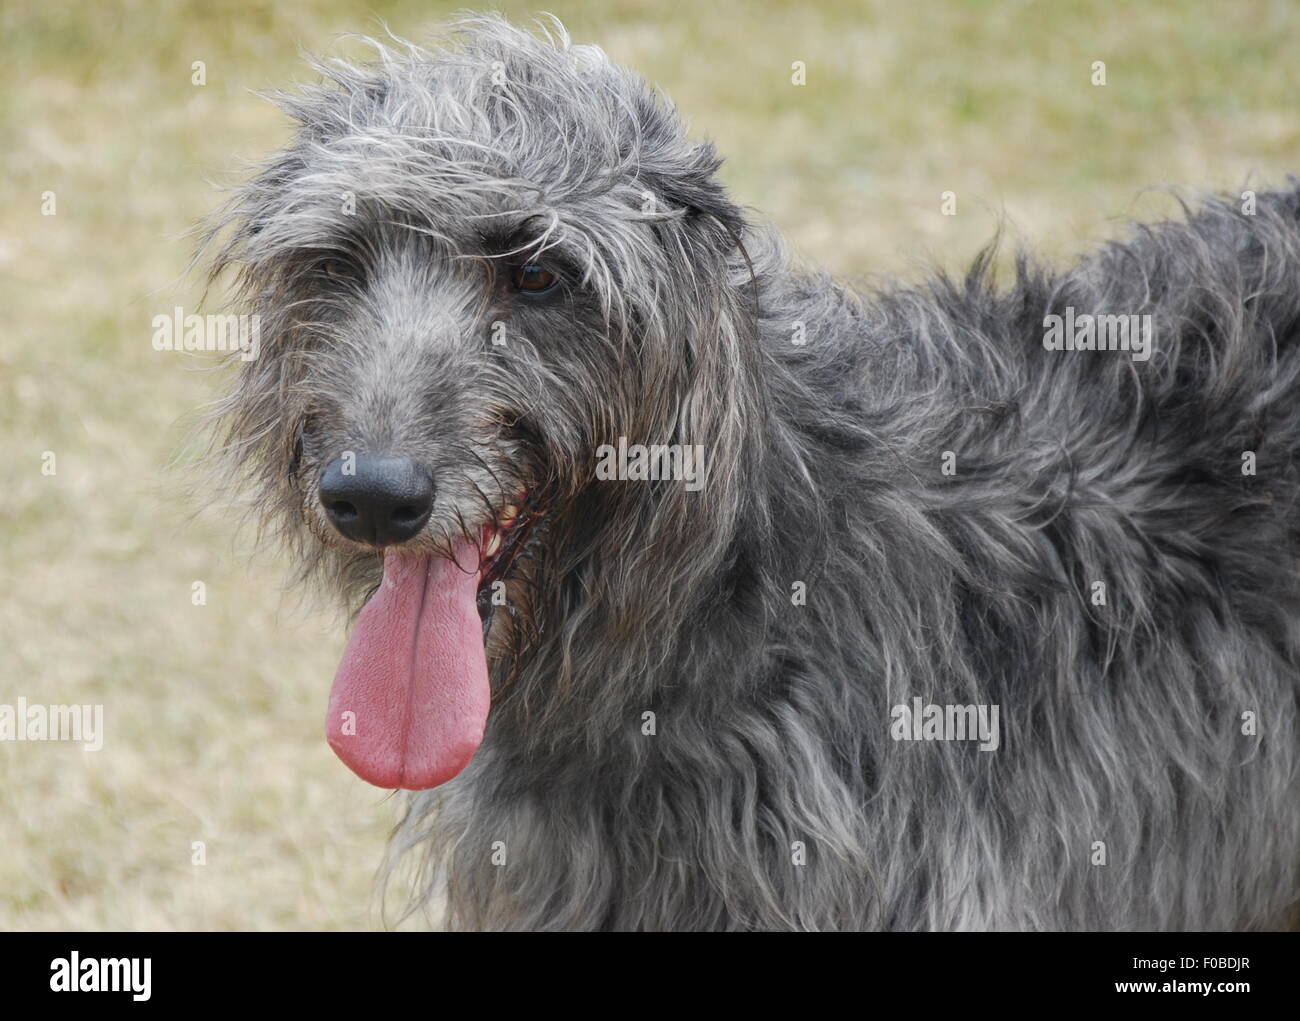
x,y
699,591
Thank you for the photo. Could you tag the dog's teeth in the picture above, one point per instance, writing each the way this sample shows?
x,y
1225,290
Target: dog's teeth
x,y
494,545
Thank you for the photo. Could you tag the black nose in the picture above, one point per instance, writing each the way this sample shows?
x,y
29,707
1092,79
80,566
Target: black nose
x,y
382,501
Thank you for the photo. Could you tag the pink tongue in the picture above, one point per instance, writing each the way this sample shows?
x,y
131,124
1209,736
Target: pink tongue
x,y
411,697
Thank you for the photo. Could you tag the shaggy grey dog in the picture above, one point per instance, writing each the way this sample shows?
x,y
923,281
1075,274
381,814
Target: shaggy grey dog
x,y
981,614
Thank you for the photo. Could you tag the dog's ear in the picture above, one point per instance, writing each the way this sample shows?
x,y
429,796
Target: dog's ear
x,y
693,186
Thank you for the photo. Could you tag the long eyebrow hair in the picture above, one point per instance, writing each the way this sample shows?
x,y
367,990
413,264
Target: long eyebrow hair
x,y
523,239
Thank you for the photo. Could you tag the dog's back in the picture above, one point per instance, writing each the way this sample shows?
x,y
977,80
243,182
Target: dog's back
x,y
1103,543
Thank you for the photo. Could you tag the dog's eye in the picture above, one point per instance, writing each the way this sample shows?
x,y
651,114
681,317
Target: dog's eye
x,y
535,278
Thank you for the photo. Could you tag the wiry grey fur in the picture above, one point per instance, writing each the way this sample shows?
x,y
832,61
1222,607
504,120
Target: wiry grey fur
x,y
1121,723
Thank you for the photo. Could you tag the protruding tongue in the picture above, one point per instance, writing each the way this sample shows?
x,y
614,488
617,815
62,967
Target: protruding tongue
x,y
411,697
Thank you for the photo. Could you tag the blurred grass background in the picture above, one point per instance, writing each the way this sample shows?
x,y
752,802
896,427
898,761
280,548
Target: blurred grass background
x,y
214,713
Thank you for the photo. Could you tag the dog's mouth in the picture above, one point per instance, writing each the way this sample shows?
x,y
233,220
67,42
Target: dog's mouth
x,y
505,544
410,700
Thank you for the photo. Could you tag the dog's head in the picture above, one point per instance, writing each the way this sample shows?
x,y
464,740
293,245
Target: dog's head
x,y
475,269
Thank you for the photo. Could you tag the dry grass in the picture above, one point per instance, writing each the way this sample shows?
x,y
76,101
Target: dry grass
x,y
214,713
